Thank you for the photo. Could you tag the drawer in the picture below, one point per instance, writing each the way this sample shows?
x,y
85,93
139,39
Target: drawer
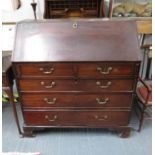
x,y
101,70
74,100
76,85
82,70
76,118
45,69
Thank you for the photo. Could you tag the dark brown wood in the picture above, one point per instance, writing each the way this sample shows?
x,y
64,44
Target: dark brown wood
x,y
28,132
91,40
148,69
76,100
125,133
76,85
46,70
71,118
102,8
81,70
143,102
83,73
102,70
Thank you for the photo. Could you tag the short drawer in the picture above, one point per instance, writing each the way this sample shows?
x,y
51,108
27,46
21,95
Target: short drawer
x,y
105,69
77,85
54,100
76,118
45,70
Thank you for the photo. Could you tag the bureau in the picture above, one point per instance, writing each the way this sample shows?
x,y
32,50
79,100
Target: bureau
x,y
76,73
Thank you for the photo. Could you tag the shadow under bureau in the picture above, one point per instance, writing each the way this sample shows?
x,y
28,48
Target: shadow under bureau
x,y
76,73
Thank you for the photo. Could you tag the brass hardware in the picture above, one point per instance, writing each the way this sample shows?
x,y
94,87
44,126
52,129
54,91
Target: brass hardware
x,y
48,86
98,83
104,101
47,71
104,70
102,118
75,25
55,117
50,101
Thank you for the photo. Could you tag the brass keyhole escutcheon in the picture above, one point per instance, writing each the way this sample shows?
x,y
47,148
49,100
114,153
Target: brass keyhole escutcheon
x,y
75,25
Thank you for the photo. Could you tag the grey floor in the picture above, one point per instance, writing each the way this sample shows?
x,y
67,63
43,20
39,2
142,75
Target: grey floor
x,y
76,141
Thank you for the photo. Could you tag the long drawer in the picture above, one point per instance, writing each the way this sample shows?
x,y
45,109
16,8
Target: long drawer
x,y
55,100
94,70
76,118
77,85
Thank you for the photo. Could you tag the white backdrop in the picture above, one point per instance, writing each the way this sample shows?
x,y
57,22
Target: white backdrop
x,y
24,12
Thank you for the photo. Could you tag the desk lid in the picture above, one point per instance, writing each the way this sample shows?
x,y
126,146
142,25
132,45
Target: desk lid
x,y
76,40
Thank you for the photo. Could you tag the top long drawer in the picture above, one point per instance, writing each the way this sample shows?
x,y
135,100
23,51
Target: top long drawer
x,y
83,70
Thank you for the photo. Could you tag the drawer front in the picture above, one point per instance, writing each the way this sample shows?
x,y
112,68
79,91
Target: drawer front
x,y
76,118
46,69
50,100
76,85
105,69
83,70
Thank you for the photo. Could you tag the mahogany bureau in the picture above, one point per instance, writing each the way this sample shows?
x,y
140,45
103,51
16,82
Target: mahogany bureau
x,y
76,73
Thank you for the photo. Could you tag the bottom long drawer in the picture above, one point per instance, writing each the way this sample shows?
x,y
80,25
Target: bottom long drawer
x,y
76,118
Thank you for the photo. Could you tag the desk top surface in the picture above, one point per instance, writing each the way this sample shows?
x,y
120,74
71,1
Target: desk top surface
x,y
76,40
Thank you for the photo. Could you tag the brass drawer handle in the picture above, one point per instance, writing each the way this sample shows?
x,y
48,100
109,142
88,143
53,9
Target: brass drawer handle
x,y
98,83
101,118
48,86
50,101
104,70
104,101
46,71
55,117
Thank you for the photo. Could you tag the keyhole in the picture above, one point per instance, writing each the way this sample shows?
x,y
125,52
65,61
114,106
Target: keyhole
x,y
75,25
76,81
